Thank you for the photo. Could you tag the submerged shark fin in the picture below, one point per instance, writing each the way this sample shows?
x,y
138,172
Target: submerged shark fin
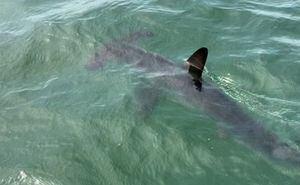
x,y
146,100
197,62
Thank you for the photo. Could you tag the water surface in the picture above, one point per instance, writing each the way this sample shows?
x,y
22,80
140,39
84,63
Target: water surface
x,y
62,124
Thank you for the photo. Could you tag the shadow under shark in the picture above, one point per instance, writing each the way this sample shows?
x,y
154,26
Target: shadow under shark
x,y
195,91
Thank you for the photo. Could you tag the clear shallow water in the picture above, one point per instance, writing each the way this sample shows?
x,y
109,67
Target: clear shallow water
x,y
62,124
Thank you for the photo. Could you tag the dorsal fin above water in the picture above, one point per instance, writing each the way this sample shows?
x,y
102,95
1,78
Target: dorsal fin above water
x,y
197,61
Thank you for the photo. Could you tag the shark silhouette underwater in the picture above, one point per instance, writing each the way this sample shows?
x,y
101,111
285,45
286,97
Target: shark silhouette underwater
x,y
200,93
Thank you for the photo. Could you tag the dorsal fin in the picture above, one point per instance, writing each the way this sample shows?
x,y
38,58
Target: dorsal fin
x,y
197,61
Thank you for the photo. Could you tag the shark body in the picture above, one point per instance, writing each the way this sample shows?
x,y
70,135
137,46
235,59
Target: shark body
x,y
210,98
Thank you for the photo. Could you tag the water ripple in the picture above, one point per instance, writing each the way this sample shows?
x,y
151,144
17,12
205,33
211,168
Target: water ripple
x,y
36,88
67,9
274,14
287,40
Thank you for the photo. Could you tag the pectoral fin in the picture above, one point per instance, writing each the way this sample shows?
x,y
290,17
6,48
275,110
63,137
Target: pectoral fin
x,y
146,99
98,60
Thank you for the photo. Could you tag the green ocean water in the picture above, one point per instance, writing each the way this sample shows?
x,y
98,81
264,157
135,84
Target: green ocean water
x,y
63,124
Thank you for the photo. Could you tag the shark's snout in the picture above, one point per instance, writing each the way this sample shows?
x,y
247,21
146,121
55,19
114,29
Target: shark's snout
x,y
94,65
145,34
286,153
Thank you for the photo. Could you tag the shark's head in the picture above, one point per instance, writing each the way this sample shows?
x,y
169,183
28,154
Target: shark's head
x,y
287,153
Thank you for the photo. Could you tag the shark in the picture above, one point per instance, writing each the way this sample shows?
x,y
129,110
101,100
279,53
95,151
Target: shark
x,y
203,93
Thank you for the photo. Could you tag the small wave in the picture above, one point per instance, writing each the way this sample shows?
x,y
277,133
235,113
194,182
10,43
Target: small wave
x,y
274,14
68,9
37,88
280,4
23,177
287,40
159,9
